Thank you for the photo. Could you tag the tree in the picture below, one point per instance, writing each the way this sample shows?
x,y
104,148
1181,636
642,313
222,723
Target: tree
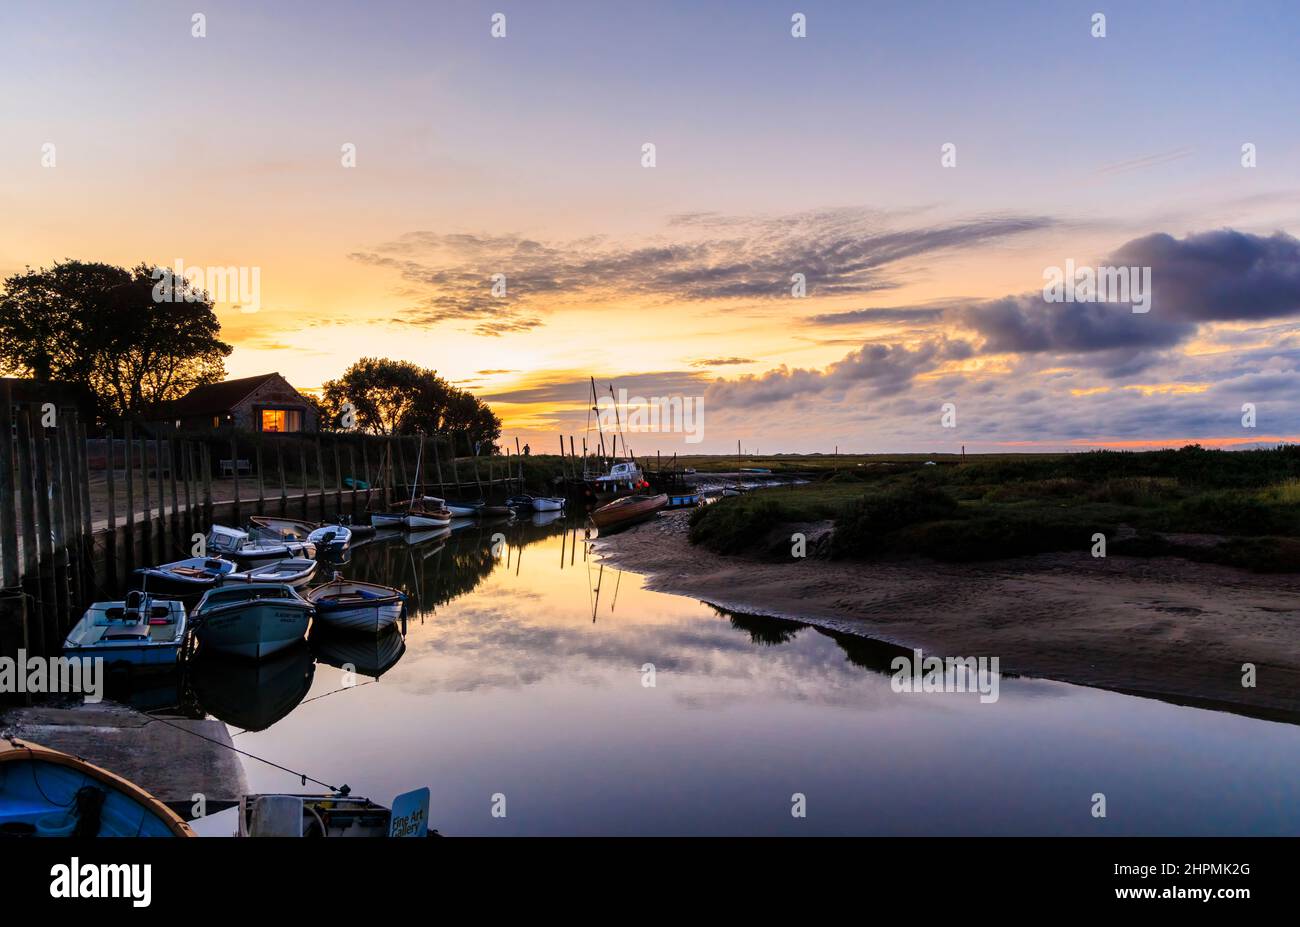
x,y
106,329
398,397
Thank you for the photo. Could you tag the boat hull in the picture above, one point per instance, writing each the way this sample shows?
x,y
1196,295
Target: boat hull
x,y
424,522
364,618
255,629
628,511
386,519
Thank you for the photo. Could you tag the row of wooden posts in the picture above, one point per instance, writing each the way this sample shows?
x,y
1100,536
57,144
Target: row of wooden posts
x,y
55,556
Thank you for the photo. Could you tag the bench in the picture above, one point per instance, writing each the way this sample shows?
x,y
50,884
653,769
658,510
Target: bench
x,y
228,467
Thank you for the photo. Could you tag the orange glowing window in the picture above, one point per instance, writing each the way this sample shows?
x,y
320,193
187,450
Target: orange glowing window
x,y
281,420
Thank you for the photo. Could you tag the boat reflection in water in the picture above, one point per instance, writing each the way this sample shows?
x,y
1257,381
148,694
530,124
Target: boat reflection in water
x,y
365,654
252,696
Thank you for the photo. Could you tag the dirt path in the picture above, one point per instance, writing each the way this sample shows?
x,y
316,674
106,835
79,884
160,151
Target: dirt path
x,y
1165,627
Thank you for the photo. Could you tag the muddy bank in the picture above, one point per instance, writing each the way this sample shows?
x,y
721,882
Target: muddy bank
x,y
1163,626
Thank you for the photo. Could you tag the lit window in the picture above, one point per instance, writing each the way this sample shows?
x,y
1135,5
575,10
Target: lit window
x,y
281,420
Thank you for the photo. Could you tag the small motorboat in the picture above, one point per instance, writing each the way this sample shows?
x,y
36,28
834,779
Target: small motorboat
x,y
334,814
627,511
251,619
295,572
184,578
142,631
48,793
331,537
520,503
349,605
683,500
334,538
237,545
548,503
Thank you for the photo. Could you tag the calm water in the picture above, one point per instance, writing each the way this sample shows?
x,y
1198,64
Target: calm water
x,y
522,675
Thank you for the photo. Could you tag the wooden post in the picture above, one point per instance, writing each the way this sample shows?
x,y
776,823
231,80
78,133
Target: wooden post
x,y
477,479
320,477
365,462
302,464
128,467
352,466
8,516
87,516
234,470
71,514
279,466
163,533
419,477
205,463
338,477
437,468
175,525
146,525
45,536
386,466
187,478
34,627
401,459
59,527
455,470
261,483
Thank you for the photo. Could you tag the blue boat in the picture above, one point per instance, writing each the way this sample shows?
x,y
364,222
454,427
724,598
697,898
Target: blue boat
x,y
184,578
140,632
48,793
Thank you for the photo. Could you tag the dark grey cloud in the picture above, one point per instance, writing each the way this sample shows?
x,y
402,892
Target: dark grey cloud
x,y
839,252
577,389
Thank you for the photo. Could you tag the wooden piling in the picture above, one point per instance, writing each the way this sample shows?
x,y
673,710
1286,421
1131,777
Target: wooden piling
x,y
302,464
261,483
129,475
175,525
352,466
8,516
45,536
163,533
205,464
146,525
320,477
338,476
87,517
33,626
284,487
234,471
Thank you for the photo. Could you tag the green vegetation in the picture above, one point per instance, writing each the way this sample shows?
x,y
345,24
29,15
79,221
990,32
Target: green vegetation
x,y
993,507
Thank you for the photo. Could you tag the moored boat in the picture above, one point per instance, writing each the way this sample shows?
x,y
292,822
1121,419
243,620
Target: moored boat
x,y
183,578
295,572
464,509
627,511
334,537
520,503
386,519
349,605
48,793
237,545
251,619
141,632
548,504
419,518
335,814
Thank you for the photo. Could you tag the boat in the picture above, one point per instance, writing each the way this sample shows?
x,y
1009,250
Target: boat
x,y
622,479
520,503
548,503
386,519
627,511
251,619
237,545
49,793
252,696
331,537
295,572
683,500
350,605
465,509
417,518
335,814
184,578
141,631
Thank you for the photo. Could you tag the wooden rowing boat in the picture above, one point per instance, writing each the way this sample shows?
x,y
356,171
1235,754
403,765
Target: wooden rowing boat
x,y
627,511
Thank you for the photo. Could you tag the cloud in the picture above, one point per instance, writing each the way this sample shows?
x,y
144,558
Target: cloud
x,y
722,361
890,314
709,257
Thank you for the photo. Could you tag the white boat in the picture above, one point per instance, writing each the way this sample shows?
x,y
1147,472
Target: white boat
x,y
237,545
295,572
334,537
331,537
419,519
142,631
184,578
548,504
355,606
386,519
464,509
251,619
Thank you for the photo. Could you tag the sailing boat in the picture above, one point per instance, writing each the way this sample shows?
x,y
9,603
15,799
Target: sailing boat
x,y
422,514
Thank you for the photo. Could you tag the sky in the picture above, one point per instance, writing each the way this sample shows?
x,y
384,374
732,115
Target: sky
x,y
821,155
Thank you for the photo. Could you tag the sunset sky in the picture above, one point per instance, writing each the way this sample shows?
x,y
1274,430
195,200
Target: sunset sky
x,y
522,156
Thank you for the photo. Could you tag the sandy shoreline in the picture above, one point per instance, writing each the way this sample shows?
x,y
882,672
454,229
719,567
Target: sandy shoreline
x,y
1164,627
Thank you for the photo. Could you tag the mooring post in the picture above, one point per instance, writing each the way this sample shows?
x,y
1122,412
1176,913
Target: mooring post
x,y
365,463
302,471
146,524
401,459
175,525
28,529
87,516
8,517
205,463
128,473
261,483
45,535
437,466
234,471
279,466
352,468
60,533
163,533
320,478
338,476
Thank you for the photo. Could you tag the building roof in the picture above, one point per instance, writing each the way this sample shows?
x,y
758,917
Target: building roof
x,y
215,398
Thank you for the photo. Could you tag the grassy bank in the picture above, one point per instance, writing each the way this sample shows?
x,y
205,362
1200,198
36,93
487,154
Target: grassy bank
x,y
988,508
